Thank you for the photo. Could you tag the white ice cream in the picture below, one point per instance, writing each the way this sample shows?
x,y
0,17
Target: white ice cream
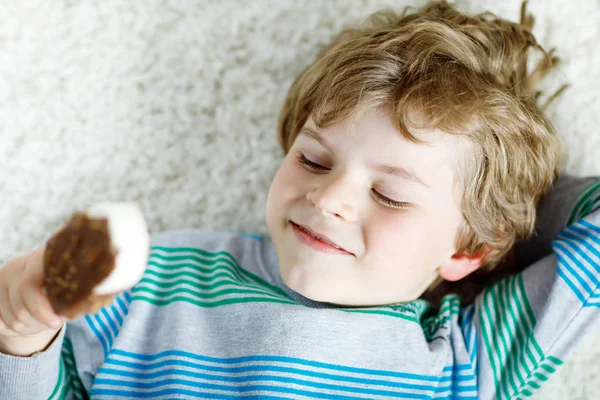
x,y
129,235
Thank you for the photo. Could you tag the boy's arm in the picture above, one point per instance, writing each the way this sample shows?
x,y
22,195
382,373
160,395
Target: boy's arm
x,y
65,369
527,324
34,377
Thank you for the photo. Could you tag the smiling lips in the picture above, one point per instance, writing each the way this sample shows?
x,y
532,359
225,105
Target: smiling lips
x,y
316,240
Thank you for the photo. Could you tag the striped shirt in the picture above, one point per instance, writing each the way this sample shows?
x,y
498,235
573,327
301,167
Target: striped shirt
x,y
212,319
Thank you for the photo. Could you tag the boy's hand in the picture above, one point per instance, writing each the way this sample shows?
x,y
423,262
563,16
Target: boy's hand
x,y
27,322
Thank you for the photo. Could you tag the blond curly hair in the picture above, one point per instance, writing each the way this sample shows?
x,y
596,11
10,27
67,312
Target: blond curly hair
x,y
468,76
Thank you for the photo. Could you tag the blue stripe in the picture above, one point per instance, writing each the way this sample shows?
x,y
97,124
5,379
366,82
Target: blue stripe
x,y
251,368
292,360
591,305
454,397
97,333
122,306
457,367
241,389
568,256
458,378
574,289
590,263
167,392
590,226
251,236
113,326
182,363
236,370
128,296
119,309
116,316
232,384
156,363
473,355
104,329
582,241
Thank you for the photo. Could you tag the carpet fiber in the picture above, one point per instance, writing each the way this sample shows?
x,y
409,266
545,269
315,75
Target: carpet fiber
x,y
173,104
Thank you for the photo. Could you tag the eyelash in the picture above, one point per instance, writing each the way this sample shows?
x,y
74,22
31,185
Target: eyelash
x,y
313,165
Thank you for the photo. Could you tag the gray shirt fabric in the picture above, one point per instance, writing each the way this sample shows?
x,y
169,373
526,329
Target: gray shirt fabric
x,y
212,318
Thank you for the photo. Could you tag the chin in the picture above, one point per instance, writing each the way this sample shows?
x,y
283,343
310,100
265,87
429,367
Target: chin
x,y
300,283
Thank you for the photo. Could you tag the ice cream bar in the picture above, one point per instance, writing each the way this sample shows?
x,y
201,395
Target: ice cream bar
x,y
98,254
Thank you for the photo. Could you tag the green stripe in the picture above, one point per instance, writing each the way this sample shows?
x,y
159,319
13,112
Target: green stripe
x,y
503,331
590,206
450,306
205,286
71,367
580,203
486,320
235,266
555,360
548,369
213,265
195,250
219,273
527,393
526,321
188,274
507,324
381,312
522,329
227,265
59,389
539,375
258,280
164,302
168,293
530,314
513,352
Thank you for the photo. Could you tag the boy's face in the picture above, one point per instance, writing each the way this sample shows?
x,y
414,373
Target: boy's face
x,y
389,252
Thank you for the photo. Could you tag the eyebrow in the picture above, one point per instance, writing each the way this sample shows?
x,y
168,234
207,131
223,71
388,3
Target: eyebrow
x,y
383,168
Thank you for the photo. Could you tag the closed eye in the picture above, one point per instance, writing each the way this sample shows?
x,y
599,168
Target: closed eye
x,y
311,164
381,198
390,202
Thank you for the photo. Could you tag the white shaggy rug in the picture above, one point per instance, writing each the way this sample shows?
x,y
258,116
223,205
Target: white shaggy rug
x,y
173,104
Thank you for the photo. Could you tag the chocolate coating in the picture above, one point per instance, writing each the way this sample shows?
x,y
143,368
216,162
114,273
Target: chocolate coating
x,y
76,259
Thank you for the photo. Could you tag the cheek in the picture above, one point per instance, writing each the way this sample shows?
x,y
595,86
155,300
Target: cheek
x,y
286,185
398,235
408,241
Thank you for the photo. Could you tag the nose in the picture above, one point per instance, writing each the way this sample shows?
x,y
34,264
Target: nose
x,y
334,197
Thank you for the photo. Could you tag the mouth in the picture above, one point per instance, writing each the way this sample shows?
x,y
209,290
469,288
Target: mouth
x,y
317,240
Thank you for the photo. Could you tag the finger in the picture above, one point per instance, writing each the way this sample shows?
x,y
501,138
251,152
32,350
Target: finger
x,y
35,299
39,307
21,317
4,330
6,316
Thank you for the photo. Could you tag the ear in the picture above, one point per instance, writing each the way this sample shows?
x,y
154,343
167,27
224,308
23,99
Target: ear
x,y
462,264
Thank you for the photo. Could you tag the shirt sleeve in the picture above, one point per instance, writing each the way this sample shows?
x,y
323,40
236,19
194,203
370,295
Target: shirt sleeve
x,y
527,324
66,369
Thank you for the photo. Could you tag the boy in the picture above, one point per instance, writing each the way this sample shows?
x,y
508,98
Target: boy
x,y
414,150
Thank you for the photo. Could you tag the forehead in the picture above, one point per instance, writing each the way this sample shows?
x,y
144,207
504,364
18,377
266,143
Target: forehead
x,y
376,134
